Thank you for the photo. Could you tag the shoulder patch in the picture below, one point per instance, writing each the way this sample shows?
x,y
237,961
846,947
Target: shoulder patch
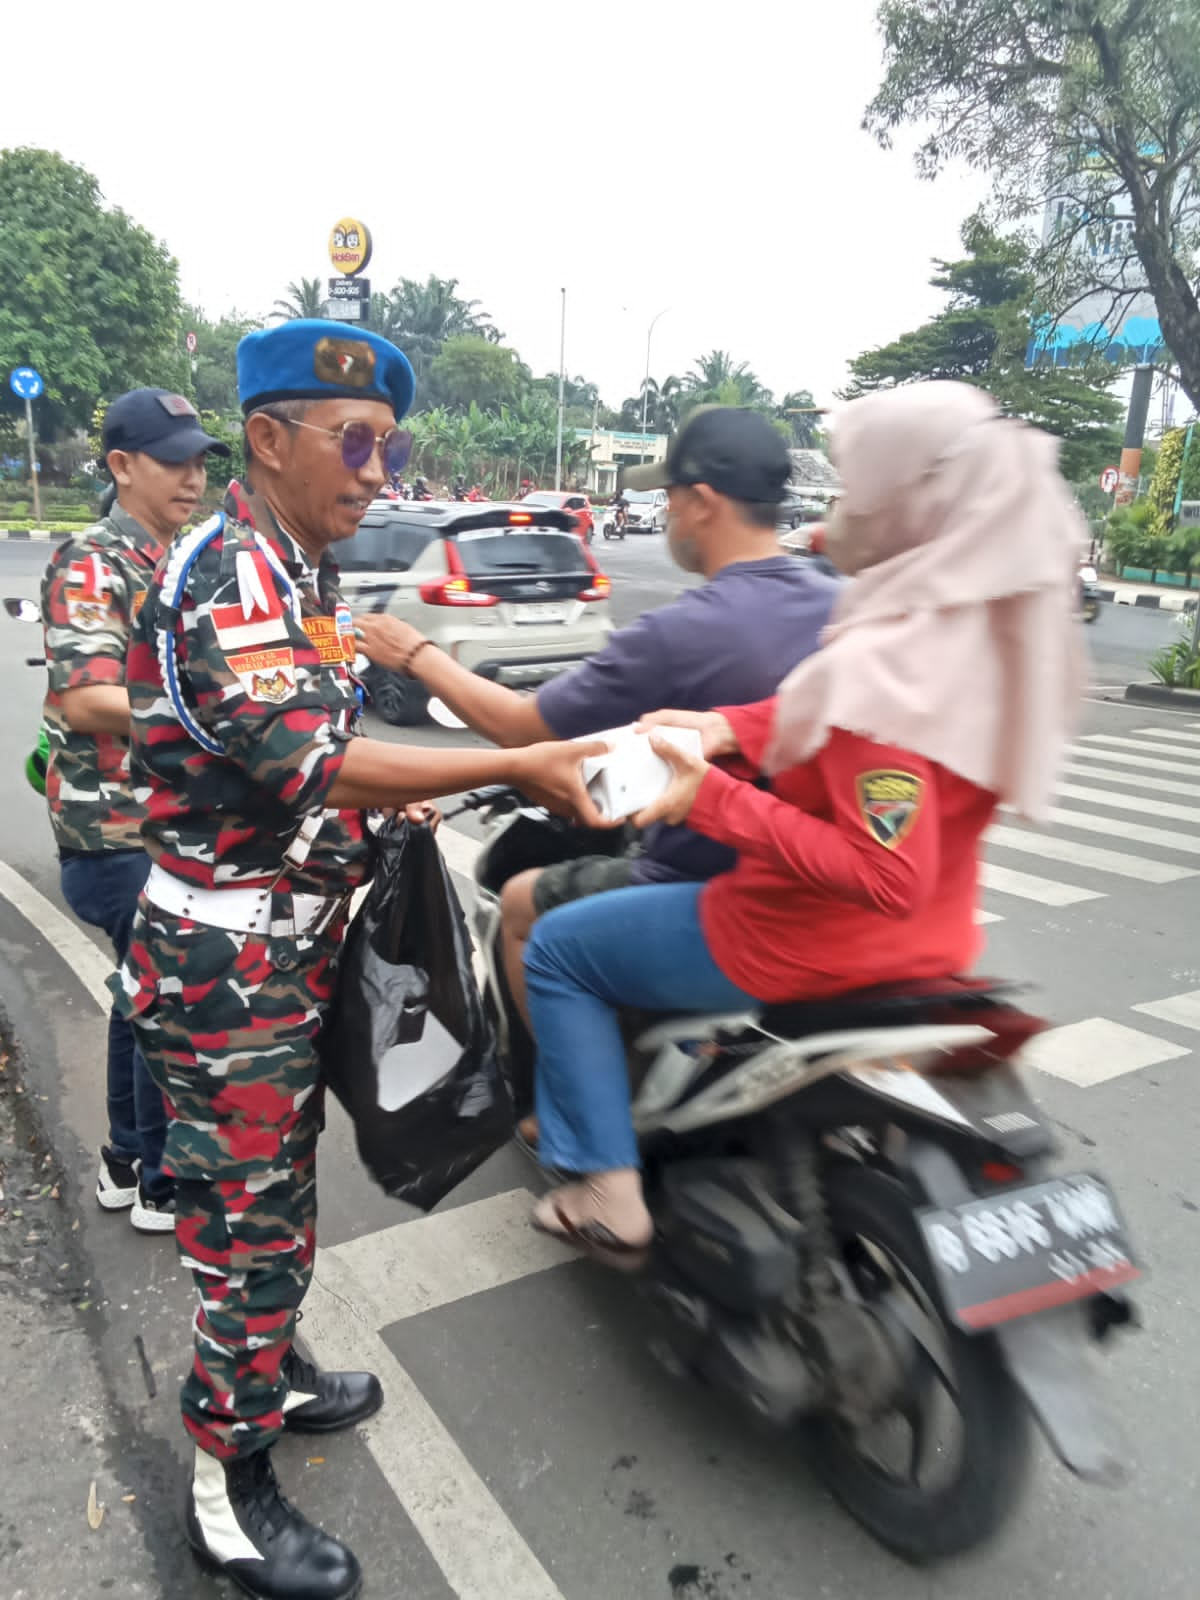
x,y
889,804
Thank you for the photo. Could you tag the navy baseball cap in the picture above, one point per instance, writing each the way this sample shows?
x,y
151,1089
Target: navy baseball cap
x,y
158,423
736,452
311,358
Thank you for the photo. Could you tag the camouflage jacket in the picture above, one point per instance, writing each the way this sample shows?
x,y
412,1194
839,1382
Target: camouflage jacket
x,y
270,687
91,593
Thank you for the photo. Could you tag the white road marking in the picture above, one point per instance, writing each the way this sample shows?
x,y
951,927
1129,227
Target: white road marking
x,y
1056,848
1168,733
1128,802
1096,1050
1151,747
1005,880
1131,780
987,916
89,963
459,849
1137,832
1145,761
1181,1009
467,1532
418,1266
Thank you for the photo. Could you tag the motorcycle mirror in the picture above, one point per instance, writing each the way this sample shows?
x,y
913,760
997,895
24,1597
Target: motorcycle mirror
x,y
441,713
23,610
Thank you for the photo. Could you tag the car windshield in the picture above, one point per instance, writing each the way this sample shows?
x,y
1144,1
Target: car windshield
x,y
640,497
496,550
543,500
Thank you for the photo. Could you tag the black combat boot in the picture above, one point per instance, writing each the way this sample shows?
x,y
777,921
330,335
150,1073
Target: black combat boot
x,y
239,1524
323,1402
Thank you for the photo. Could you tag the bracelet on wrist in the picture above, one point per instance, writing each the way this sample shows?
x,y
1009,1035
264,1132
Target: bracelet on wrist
x,y
411,655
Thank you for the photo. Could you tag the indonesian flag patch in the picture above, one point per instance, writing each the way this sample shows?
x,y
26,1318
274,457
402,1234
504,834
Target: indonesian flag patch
x,y
258,616
889,803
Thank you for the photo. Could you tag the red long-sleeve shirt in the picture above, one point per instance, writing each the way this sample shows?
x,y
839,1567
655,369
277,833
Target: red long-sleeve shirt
x,y
858,868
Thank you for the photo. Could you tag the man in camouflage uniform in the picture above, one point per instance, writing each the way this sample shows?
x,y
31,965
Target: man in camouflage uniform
x,y
245,713
156,450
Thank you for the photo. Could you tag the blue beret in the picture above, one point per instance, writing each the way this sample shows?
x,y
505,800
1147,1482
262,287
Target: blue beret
x,y
319,360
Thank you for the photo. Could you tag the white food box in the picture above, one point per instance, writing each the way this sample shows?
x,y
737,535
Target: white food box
x,y
631,775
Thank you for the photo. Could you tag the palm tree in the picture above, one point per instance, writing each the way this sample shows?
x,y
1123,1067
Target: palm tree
x,y
304,299
798,410
420,317
717,380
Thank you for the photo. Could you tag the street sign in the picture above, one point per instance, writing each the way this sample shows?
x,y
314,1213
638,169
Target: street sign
x,y
350,246
26,383
1109,479
350,289
349,299
191,341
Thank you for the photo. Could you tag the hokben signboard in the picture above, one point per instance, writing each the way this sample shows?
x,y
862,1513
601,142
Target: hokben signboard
x,y
350,246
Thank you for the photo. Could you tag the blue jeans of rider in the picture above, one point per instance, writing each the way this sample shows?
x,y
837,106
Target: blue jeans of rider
x,y
102,889
640,947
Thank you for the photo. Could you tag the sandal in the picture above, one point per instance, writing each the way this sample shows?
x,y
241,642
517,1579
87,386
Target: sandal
x,y
593,1239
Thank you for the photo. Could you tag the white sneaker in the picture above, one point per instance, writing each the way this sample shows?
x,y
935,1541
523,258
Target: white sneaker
x,y
152,1216
117,1181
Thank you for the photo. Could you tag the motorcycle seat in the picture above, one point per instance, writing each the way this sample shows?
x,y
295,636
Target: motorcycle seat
x,y
929,1000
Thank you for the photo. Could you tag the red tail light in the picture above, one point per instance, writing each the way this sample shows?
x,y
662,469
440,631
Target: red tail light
x,y
601,585
455,590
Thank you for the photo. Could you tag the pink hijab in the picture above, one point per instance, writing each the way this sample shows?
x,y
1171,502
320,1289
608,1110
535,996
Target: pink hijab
x,y
957,639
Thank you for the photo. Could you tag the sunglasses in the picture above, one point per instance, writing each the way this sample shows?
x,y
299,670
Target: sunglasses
x,y
359,441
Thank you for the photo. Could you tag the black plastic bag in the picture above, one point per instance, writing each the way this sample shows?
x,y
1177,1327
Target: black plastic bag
x,y
407,1047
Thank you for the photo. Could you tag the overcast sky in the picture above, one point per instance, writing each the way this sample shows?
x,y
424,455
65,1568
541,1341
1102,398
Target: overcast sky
x,y
665,156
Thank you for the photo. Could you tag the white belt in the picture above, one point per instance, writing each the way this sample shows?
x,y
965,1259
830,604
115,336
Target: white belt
x,y
239,910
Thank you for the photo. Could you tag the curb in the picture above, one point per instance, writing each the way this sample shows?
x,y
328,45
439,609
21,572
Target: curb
x,y
1152,602
37,536
1159,694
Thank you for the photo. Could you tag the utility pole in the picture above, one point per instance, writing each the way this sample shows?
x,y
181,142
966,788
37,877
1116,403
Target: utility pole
x,y
562,380
1135,435
33,471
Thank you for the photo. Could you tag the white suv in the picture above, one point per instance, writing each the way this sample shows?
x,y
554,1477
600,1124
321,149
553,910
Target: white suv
x,y
510,591
647,510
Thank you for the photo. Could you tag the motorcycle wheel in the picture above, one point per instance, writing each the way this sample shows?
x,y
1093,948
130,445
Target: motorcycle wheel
x,y
1090,613
975,1486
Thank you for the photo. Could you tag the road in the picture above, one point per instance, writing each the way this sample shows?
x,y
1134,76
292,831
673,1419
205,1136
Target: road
x,y
530,1448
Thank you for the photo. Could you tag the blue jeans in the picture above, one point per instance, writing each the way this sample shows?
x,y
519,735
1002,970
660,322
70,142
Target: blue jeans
x,y
102,889
639,947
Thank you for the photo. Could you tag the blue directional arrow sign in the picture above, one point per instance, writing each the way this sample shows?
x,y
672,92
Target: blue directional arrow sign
x,y
26,383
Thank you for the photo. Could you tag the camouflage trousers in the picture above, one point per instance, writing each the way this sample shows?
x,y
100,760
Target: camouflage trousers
x,y
227,1023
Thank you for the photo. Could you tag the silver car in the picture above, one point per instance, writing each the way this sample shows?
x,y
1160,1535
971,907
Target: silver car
x,y
509,591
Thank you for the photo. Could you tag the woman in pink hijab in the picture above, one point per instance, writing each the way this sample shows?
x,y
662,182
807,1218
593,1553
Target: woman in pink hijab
x,y
946,685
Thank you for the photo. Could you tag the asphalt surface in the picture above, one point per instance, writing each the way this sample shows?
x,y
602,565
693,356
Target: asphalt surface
x,y
530,1448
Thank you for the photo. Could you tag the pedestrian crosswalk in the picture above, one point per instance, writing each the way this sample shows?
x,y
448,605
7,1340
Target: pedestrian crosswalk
x,y
1099,796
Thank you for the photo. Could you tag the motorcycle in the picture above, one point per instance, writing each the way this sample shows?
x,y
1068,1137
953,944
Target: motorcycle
x,y
1089,594
614,526
859,1226
38,759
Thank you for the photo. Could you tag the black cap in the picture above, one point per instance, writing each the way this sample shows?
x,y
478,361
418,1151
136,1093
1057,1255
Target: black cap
x,y
157,423
735,451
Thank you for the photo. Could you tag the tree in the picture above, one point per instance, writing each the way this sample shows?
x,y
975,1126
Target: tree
x,y
304,298
981,338
88,297
718,380
420,317
1094,103
798,410
468,370
214,374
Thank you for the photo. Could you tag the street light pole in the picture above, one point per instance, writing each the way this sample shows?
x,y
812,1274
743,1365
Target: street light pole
x,y
31,440
562,377
646,382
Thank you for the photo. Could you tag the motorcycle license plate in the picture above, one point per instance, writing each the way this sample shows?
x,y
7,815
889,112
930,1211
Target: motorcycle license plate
x,y
539,612
1026,1250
